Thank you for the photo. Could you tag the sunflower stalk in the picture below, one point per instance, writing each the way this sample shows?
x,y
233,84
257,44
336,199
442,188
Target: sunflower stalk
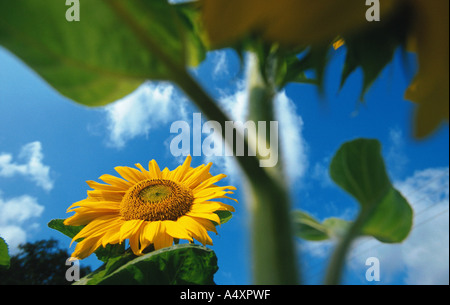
x,y
273,249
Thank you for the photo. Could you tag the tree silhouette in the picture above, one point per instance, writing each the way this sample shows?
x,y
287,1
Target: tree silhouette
x,y
39,263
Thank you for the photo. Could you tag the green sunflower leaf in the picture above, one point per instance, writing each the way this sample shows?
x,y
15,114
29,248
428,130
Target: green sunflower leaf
x,y
58,225
359,169
109,52
224,216
4,254
181,264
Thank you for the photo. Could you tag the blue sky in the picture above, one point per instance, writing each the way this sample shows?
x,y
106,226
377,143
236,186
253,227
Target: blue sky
x,y
49,147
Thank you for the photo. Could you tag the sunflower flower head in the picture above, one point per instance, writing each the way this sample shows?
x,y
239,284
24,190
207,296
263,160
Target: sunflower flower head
x,y
149,207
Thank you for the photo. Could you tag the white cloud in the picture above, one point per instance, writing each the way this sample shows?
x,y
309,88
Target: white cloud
x,y
396,158
293,146
16,219
423,258
32,167
220,64
151,105
320,172
424,255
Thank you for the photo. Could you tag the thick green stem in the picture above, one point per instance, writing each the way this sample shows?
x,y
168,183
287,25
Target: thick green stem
x,y
337,262
274,256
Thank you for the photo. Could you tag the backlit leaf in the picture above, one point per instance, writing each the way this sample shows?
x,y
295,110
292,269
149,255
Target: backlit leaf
x,y
183,264
114,48
359,169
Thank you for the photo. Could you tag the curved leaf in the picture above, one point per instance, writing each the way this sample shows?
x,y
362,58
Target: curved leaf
x,y
113,49
177,265
358,168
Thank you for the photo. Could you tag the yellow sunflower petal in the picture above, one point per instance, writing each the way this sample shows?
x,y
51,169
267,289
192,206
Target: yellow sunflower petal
x,y
211,206
154,170
150,230
177,231
97,227
86,247
197,176
101,186
197,230
106,195
165,173
178,174
144,171
208,225
130,174
105,204
128,228
112,180
135,237
162,239
210,216
209,182
83,217
112,236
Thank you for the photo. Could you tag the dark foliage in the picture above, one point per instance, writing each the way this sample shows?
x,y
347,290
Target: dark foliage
x,y
39,263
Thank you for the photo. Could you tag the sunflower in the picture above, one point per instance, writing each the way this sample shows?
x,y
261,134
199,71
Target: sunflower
x,y
149,207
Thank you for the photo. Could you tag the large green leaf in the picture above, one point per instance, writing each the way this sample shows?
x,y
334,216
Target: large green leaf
x,y
114,47
177,265
4,255
358,168
58,225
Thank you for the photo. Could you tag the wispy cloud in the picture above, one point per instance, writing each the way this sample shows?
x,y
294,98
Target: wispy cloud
x,y
424,255
16,219
293,146
31,166
396,158
423,258
151,105
220,64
